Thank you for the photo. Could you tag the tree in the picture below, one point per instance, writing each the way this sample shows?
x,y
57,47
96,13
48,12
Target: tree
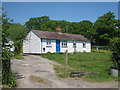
x,y
17,32
35,23
87,29
105,28
117,30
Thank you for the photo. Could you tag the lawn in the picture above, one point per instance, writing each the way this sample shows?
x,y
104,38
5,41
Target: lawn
x,y
84,62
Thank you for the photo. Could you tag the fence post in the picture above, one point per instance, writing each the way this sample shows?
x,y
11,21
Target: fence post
x,y
66,54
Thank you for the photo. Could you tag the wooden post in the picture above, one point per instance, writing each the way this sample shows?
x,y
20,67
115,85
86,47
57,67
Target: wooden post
x,y
66,53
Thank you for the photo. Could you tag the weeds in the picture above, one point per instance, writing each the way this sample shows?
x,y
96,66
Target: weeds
x,y
38,79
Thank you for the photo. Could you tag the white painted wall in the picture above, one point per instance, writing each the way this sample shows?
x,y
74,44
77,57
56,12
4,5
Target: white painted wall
x,y
49,48
79,47
69,47
32,44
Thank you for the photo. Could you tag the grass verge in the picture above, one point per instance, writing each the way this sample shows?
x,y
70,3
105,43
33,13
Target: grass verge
x,y
17,57
84,62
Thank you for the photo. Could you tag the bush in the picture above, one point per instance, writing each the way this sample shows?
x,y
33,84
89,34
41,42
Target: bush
x,y
12,82
7,75
115,47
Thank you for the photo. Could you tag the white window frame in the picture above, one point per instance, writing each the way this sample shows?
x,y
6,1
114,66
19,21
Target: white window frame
x,y
48,42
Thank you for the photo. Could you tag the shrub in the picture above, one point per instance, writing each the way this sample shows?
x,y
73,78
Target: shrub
x,y
7,76
12,82
115,47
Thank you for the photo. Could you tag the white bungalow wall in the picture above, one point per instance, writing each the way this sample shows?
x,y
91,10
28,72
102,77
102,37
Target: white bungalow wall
x,y
32,44
52,48
79,47
48,48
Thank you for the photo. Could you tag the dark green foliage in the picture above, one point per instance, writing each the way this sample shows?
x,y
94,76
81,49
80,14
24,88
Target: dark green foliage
x,y
35,23
7,77
115,47
105,28
5,66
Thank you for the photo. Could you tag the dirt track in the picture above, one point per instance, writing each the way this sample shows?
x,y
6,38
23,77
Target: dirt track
x,y
41,67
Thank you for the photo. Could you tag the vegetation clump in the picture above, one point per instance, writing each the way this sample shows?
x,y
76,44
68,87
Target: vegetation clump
x,y
7,75
36,78
115,47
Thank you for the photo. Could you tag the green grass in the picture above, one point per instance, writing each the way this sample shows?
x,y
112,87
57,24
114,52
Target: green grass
x,y
17,57
91,62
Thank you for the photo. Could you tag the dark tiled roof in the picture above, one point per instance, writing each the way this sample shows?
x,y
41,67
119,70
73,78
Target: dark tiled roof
x,y
59,36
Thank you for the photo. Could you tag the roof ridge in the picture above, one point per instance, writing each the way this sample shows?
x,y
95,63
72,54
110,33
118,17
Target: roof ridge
x,y
61,36
72,34
56,32
41,30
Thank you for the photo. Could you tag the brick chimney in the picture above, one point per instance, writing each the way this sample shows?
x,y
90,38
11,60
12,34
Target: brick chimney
x,y
58,29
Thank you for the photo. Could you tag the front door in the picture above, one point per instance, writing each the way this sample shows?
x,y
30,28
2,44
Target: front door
x,y
57,45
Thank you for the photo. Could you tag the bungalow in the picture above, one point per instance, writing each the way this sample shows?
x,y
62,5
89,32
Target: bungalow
x,y
38,42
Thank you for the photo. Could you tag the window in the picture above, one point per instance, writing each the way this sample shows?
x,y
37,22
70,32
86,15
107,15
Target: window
x,y
84,44
64,43
74,44
48,42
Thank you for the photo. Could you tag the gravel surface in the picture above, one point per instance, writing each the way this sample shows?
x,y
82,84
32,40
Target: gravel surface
x,y
41,67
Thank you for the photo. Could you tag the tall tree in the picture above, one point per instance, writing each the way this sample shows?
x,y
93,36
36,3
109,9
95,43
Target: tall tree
x,y
35,23
105,28
86,29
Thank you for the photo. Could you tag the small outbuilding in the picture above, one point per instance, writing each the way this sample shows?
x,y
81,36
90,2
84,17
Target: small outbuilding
x,y
38,42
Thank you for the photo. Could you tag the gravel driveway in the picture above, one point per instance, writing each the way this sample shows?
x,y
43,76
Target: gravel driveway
x,y
41,67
